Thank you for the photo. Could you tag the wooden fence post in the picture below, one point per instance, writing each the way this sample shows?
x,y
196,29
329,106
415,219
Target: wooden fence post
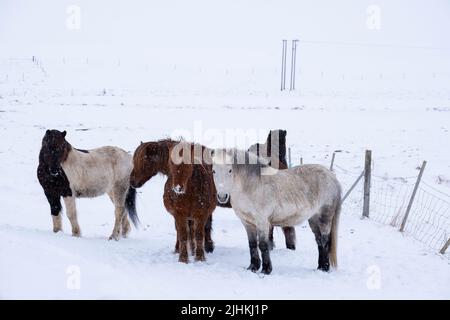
x,y
444,248
367,176
411,200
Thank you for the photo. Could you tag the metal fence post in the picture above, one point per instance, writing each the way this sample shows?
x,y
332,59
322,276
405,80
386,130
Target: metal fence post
x,y
411,200
367,176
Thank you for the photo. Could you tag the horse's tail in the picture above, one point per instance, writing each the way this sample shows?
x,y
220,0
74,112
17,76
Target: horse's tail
x,y
334,233
130,205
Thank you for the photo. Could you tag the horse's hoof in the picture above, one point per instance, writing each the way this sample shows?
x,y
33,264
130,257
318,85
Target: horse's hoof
x,y
266,270
209,247
325,268
56,230
200,259
183,259
253,268
290,246
76,234
113,237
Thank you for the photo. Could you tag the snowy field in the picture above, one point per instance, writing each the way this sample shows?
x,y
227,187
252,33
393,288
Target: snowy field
x,y
220,87
375,261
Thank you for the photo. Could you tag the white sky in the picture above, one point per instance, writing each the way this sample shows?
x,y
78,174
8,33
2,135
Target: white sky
x,y
129,27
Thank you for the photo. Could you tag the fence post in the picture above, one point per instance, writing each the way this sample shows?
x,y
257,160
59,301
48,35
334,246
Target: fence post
x,y
301,161
289,157
367,176
332,161
411,200
444,248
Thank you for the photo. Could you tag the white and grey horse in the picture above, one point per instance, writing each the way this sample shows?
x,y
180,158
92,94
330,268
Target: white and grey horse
x,y
263,196
71,173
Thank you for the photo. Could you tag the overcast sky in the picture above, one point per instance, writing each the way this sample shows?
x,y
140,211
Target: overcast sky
x,y
39,27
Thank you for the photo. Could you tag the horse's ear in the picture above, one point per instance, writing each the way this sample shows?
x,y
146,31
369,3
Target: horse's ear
x,y
142,143
212,152
64,133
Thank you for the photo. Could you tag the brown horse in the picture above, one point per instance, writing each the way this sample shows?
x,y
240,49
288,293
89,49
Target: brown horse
x,y
189,192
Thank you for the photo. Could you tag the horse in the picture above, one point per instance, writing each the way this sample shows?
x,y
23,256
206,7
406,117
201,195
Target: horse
x,y
189,192
71,173
262,196
274,151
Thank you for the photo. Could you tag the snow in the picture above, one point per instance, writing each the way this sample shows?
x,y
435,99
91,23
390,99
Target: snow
x,y
219,86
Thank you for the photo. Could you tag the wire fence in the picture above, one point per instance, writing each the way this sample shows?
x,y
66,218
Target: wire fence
x,y
429,217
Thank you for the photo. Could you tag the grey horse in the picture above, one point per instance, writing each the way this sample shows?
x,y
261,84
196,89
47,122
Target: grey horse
x,y
262,196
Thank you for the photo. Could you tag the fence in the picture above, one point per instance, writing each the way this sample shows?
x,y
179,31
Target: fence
x,y
409,204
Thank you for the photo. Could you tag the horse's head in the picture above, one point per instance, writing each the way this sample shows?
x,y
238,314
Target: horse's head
x,y
181,166
54,150
222,169
147,162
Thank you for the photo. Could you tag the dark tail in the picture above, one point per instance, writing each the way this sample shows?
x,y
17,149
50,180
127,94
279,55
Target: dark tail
x,y
130,204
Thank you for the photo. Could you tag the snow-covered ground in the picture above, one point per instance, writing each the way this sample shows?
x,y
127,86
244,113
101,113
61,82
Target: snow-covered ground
x,y
375,261
199,76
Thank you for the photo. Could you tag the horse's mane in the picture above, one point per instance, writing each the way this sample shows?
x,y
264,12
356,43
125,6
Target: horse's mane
x,y
248,164
265,150
281,144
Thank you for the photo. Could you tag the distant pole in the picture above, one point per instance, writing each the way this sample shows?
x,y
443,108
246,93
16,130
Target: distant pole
x,y
293,62
411,200
332,161
367,176
283,65
301,161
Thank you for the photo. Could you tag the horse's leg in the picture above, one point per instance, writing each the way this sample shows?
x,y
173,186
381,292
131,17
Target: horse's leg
x,y
289,235
72,215
191,230
55,210
209,243
57,223
177,244
263,229
271,241
255,261
321,226
119,213
182,235
199,225
118,196
126,227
